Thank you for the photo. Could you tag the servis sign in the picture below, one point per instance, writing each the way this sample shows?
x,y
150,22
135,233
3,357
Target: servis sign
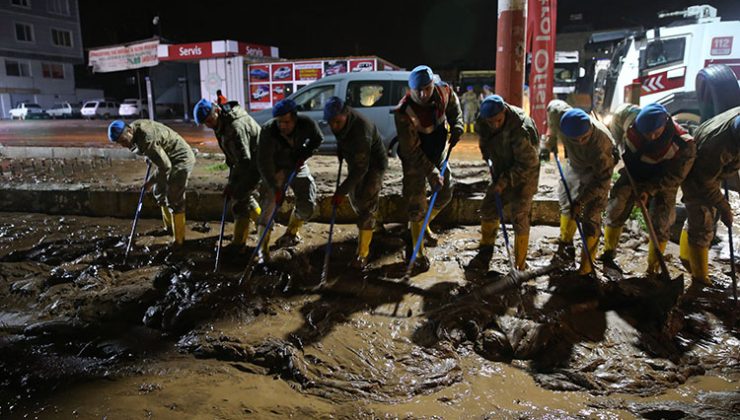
x,y
197,50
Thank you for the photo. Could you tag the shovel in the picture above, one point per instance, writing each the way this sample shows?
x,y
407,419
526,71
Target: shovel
x,y
138,210
327,252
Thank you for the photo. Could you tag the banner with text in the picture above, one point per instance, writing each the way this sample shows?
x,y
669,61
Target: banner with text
x,y
541,20
124,57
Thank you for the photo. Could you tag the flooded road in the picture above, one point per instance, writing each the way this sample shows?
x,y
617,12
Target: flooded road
x,y
84,335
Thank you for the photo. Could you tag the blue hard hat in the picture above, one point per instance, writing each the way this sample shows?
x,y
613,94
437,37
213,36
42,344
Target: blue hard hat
x,y
201,110
115,129
491,105
651,118
420,76
283,107
575,123
333,107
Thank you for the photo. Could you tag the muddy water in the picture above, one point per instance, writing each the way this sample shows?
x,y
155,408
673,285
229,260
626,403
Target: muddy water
x,y
82,334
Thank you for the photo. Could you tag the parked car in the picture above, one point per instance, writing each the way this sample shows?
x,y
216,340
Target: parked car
x,y
281,73
372,94
99,108
27,111
134,108
259,74
64,110
260,92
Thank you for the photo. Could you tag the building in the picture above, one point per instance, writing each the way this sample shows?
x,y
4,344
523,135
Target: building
x,y
40,42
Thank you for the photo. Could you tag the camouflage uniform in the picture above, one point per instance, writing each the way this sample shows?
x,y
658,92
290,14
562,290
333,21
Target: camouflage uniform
x,y
422,138
237,134
588,173
718,156
173,158
360,145
658,167
513,151
470,106
555,110
621,121
277,158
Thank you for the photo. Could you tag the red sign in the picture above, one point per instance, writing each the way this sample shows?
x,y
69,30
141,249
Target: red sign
x,y
259,73
661,82
335,67
280,91
721,45
308,71
361,65
255,50
541,21
282,72
259,96
197,50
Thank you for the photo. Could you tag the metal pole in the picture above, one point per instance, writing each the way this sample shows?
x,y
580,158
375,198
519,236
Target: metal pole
x,y
149,97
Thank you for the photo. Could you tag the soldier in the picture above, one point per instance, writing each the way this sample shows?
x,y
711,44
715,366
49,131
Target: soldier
x,y
174,160
420,122
470,105
286,142
621,121
508,137
591,160
359,143
555,110
658,154
718,156
487,91
237,134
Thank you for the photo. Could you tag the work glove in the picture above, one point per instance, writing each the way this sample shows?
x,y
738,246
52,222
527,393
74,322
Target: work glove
x,y
336,199
498,188
725,213
455,137
436,181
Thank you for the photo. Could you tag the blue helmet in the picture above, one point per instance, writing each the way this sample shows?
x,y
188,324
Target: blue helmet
x,y
651,118
283,107
420,76
575,123
115,129
491,105
201,110
333,107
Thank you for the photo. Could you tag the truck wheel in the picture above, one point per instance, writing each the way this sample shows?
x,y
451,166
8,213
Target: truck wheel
x,y
716,90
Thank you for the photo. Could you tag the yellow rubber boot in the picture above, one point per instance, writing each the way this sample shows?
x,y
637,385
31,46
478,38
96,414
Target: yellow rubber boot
x,y
699,260
567,228
363,242
166,218
415,230
586,267
521,244
488,231
255,213
178,228
432,215
294,224
684,250
611,238
241,231
472,128
652,261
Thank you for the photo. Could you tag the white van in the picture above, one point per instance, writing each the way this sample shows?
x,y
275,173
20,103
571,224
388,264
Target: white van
x,y
99,108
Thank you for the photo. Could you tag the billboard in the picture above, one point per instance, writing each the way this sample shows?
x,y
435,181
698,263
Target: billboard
x,y
124,57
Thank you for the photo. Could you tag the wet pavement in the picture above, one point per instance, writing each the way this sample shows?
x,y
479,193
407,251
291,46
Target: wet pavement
x,y
84,335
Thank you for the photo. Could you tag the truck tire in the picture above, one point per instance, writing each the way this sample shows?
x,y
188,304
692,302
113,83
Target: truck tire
x,y
716,90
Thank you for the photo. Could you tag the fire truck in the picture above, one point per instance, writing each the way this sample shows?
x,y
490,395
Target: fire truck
x,y
661,64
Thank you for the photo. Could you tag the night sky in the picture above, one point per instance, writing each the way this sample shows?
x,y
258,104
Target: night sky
x,y
442,33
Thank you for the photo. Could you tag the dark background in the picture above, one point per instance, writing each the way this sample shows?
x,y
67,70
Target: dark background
x,y
442,33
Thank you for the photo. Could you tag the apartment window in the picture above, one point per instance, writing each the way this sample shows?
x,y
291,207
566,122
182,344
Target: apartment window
x,y
61,38
17,68
52,71
23,32
58,7
21,3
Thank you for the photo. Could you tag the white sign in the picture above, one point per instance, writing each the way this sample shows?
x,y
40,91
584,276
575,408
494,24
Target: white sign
x,y
124,57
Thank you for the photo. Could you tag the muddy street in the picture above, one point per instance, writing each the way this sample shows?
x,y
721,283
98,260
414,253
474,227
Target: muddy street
x,y
84,335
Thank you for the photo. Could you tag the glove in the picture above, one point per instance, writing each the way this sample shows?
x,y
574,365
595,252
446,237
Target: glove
x,y
228,191
279,196
498,188
436,181
725,213
336,199
455,137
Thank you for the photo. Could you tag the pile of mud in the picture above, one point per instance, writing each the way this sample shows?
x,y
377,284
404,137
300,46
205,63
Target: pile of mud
x,y
74,312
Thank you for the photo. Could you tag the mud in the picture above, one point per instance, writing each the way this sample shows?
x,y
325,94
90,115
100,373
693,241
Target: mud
x,y
84,335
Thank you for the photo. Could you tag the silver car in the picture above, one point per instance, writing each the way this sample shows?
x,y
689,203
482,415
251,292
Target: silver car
x,y
372,94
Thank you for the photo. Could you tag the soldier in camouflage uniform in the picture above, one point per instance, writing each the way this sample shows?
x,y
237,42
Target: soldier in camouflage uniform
x,y
718,156
509,138
237,134
359,143
174,160
621,121
658,154
555,110
588,172
470,105
420,122
285,143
